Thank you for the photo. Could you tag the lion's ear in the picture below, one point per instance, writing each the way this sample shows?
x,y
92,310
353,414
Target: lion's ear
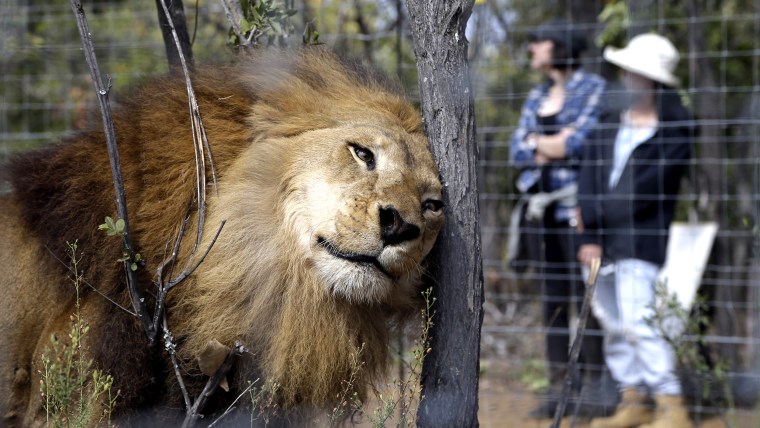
x,y
211,358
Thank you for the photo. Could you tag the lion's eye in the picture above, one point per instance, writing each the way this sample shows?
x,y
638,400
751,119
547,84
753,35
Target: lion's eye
x,y
433,205
365,155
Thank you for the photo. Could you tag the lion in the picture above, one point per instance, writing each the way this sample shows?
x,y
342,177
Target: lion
x,y
332,201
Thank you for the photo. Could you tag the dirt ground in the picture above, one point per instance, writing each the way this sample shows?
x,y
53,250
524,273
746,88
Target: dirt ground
x,y
504,403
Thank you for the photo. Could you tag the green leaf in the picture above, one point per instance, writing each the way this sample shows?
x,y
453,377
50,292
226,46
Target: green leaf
x,y
119,226
246,26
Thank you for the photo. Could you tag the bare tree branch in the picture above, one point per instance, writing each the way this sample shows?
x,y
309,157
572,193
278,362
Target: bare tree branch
x,y
193,413
163,289
231,407
575,348
135,293
234,13
202,154
200,140
171,349
92,287
364,30
177,25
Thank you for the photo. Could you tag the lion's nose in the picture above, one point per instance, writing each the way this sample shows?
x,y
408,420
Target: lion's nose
x,y
394,229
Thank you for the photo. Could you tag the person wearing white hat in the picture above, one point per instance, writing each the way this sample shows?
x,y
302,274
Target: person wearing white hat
x,y
629,181
555,119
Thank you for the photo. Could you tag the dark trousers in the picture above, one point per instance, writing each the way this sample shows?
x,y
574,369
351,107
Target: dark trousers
x,y
563,289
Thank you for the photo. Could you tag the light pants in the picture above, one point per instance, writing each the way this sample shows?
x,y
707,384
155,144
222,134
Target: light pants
x,y
635,352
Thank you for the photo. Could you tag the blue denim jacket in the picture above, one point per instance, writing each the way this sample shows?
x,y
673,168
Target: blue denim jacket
x,y
581,110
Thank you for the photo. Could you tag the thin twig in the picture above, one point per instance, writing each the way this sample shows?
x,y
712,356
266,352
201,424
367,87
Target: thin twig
x,y
172,258
165,288
193,413
187,272
200,139
575,349
92,287
234,13
135,293
231,407
171,348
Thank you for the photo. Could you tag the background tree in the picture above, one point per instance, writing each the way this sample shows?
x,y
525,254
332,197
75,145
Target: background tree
x,y
45,93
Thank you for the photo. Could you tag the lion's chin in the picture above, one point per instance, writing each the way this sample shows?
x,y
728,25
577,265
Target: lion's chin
x,y
363,278
355,281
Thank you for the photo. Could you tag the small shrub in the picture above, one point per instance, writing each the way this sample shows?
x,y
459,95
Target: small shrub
x,y
74,394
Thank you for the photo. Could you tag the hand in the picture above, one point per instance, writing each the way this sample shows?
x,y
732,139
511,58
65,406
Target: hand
x,y
550,147
588,252
540,159
566,132
579,227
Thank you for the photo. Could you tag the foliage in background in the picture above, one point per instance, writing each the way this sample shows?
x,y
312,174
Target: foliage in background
x,y
683,330
74,393
264,19
535,375
616,21
404,394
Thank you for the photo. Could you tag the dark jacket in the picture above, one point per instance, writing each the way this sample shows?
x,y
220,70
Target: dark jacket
x,y
632,219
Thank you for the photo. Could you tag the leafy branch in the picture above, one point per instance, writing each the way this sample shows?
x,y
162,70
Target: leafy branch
x,y
117,228
254,23
616,20
682,329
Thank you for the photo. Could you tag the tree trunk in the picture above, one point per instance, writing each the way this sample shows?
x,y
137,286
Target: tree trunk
x,y
177,12
450,372
643,15
365,31
710,177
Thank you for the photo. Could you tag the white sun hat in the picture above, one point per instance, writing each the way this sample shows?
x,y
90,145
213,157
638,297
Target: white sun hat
x,y
649,55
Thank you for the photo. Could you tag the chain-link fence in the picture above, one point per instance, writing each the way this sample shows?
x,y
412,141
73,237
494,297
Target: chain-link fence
x,y
45,93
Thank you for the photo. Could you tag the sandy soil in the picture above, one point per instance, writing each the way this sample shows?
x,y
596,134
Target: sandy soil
x,y
504,403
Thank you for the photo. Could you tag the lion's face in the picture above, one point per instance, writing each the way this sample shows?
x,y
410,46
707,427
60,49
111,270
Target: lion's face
x,y
370,208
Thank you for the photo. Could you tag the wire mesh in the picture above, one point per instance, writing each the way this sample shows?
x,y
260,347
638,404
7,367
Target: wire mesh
x,y
45,93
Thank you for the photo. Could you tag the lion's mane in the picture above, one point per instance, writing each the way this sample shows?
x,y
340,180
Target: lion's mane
x,y
255,285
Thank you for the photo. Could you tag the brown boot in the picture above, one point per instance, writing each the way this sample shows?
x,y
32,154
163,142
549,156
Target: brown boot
x,y
632,411
671,413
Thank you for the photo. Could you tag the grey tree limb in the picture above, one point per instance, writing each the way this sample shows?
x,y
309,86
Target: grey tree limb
x,y
450,371
194,412
234,13
135,293
174,23
575,348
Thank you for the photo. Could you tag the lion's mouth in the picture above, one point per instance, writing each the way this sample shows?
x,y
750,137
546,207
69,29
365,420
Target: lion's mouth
x,y
350,256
